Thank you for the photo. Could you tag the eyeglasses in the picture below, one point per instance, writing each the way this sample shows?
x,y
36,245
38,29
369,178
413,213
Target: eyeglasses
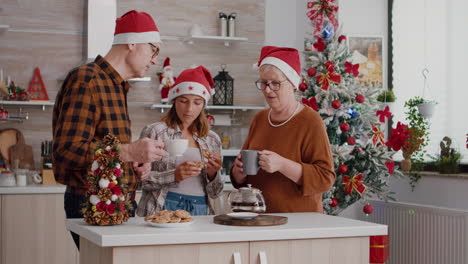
x,y
274,85
155,52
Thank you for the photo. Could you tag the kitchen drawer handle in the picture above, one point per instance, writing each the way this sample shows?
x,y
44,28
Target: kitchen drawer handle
x,y
263,257
237,258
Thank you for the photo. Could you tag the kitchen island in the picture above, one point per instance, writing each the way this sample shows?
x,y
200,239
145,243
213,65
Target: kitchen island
x,y
306,238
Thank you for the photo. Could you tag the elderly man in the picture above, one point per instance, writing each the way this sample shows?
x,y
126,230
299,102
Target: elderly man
x,y
93,103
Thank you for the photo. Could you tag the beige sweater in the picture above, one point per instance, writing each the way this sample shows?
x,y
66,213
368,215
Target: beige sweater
x,y
304,140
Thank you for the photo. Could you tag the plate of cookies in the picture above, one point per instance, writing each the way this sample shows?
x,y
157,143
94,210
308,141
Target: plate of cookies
x,y
168,219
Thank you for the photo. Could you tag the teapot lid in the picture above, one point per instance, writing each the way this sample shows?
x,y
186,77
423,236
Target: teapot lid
x,y
249,188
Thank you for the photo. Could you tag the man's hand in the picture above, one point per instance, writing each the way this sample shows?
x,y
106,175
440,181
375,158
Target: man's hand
x,y
144,150
142,170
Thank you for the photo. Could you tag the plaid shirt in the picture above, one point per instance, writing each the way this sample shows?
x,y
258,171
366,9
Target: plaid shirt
x,y
162,175
91,104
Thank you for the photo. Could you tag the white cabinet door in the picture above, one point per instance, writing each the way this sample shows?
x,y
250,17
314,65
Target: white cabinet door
x,y
310,251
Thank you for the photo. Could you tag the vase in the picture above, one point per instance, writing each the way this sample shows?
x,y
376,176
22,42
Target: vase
x,y
406,165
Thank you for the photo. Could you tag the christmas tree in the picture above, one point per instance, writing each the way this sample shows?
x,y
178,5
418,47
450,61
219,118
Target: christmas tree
x,y
351,113
107,202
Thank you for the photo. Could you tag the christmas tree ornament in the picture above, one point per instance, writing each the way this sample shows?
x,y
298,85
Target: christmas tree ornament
x,y
319,45
377,136
311,72
342,169
382,114
302,87
368,209
344,127
329,76
336,104
352,113
327,31
166,80
311,102
360,98
354,183
341,38
334,202
351,141
352,68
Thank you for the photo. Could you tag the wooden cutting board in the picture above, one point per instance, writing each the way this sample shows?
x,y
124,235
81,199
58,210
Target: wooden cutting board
x,y
260,220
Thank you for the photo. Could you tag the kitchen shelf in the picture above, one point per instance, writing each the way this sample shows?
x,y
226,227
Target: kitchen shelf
x,y
226,40
4,28
219,107
43,104
143,79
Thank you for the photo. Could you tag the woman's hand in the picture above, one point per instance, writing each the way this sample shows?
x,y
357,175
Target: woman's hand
x,y
238,171
269,161
186,170
213,165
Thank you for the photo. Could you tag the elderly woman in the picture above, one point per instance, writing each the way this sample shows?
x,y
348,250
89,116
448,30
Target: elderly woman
x,y
295,159
184,184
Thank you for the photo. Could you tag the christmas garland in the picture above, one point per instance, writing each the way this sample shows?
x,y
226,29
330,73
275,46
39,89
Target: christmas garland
x,y
106,202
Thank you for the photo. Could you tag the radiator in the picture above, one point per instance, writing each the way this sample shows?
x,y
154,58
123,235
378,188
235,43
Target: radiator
x,y
421,234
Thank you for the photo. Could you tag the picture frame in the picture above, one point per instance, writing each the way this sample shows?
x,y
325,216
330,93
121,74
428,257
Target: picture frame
x,y
369,52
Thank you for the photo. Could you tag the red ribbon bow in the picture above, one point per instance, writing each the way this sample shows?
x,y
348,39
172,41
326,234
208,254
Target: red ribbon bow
x,y
324,79
318,10
354,183
378,136
352,68
311,102
384,114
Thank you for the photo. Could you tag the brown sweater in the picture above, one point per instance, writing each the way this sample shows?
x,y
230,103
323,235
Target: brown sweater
x,y
304,140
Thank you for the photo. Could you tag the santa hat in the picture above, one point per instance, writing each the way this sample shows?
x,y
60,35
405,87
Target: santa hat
x,y
197,81
167,62
135,27
285,59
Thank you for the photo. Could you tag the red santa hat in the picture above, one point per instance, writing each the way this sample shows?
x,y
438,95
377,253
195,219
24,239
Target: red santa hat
x,y
197,81
285,59
135,27
167,62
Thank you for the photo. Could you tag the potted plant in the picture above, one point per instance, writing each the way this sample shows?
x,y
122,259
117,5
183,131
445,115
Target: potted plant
x,y
387,97
425,107
449,158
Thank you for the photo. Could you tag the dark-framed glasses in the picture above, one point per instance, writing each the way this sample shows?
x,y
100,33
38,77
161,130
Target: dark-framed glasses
x,y
155,50
274,85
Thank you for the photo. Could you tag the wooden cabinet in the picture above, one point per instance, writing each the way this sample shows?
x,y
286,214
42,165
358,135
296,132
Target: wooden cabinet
x,y
33,230
353,250
212,253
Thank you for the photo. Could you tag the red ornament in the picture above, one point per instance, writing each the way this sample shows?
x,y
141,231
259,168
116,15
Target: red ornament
x,y
311,102
311,71
302,87
351,141
341,38
344,127
334,202
336,104
342,169
360,98
368,209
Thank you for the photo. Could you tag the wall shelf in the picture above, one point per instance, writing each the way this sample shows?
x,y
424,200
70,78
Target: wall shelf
x,y
226,40
43,104
219,107
4,28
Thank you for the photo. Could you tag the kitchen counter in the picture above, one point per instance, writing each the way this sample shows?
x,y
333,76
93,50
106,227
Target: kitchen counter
x,y
136,232
33,189
307,236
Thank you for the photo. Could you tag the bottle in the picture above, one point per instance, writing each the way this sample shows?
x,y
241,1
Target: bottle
x,y
222,24
232,25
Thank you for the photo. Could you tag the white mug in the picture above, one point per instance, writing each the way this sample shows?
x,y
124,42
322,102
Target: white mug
x,y
176,147
35,177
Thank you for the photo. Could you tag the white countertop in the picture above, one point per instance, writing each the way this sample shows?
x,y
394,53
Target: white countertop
x,y
136,232
33,189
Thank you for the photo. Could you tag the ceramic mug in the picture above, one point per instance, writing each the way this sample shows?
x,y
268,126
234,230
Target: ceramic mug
x,y
250,161
176,147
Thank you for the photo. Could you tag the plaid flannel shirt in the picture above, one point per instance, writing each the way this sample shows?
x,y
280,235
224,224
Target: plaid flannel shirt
x,y
162,175
91,104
